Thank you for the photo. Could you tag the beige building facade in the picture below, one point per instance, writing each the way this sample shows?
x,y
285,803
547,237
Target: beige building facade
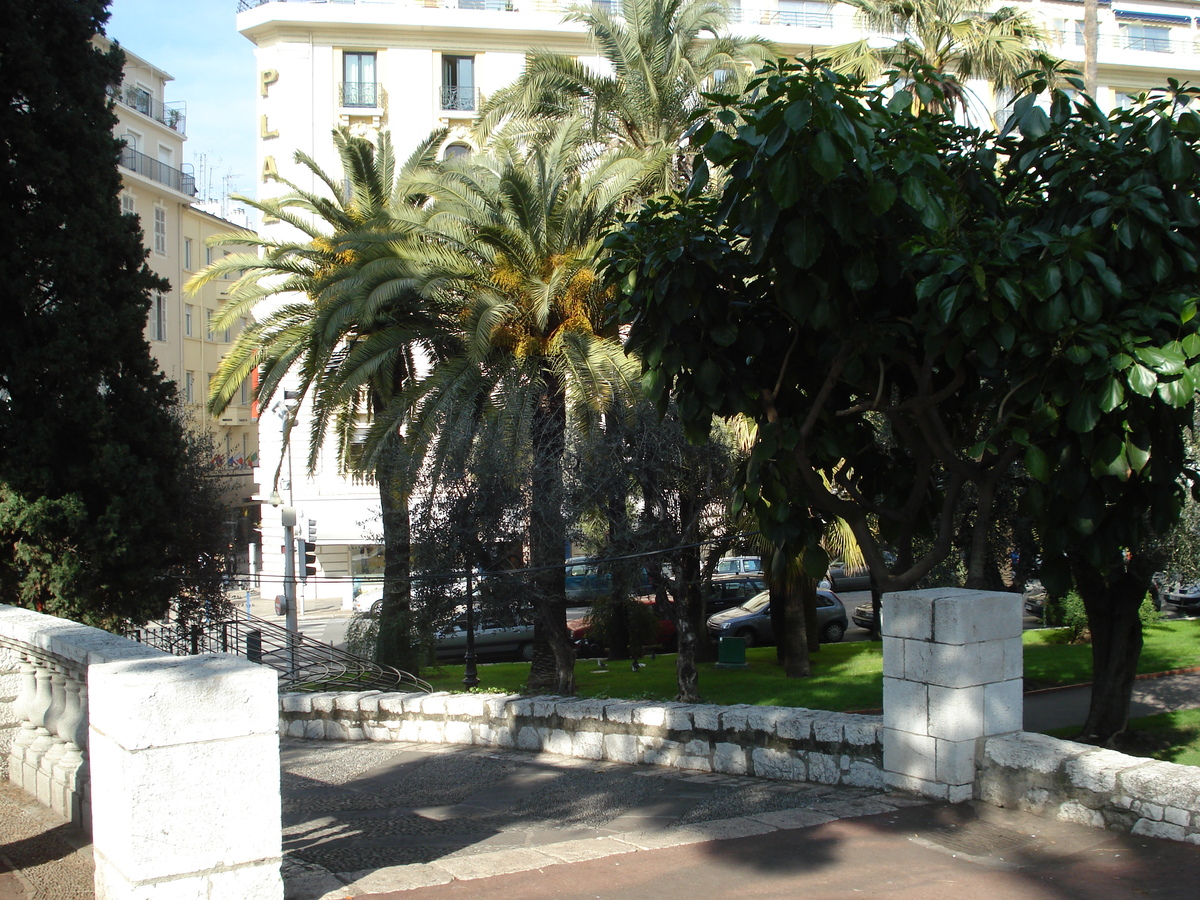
x,y
160,190
410,66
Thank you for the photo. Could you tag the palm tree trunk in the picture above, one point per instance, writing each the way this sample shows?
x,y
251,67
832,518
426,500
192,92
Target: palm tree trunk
x,y
397,644
1091,46
553,667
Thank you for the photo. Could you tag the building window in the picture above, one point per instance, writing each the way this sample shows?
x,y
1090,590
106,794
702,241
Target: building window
x,y
160,230
359,87
458,82
158,318
208,317
189,387
245,395
1139,36
187,254
188,309
456,150
805,13
128,203
208,256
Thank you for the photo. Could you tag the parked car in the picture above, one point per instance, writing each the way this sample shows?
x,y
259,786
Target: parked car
x,y
738,565
586,583
728,591
752,620
580,626
366,599
508,634
854,578
1176,592
862,615
1034,598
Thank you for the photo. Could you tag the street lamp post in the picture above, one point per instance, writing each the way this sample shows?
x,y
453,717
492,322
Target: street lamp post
x,y
470,674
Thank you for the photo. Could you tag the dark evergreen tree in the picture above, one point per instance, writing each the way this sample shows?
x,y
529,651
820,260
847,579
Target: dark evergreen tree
x,y
91,453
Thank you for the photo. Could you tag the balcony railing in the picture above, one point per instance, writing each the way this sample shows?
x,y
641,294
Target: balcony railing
x,y
1122,41
184,182
459,99
360,94
173,115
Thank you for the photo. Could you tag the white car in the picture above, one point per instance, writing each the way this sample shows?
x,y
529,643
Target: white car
x,y
366,599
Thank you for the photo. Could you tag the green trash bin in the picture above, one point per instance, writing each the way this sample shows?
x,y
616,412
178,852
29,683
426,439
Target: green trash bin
x,y
731,653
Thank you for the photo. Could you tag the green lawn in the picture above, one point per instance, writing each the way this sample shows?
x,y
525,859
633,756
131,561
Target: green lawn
x,y
845,676
1173,737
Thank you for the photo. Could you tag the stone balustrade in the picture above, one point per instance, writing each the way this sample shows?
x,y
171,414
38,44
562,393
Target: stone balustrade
x,y
172,763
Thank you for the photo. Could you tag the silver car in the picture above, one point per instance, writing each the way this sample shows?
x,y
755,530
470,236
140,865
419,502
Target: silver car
x,y
752,620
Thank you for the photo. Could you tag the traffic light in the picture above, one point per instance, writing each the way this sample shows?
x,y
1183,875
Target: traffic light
x,y
308,550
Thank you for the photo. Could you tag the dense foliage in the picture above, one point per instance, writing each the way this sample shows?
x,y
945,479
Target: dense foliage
x,y
92,496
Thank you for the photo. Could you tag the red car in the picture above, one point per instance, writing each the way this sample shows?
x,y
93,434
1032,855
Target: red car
x,y
581,629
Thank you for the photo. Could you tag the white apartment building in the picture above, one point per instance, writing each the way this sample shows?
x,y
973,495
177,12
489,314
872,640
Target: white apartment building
x,y
410,66
160,189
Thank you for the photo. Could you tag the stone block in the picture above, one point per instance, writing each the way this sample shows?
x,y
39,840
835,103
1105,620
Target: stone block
x,y
295,703
736,717
652,716
392,704
409,731
894,652
1014,659
956,762
1162,783
430,732
465,705
914,785
580,710
545,707
529,738
1166,830
959,793
766,718
369,704
377,733
149,807
180,700
349,701
587,745
774,764
823,768
730,759
335,730
1034,752
679,717
498,706
905,706
864,731
314,730
435,704
558,741
707,717
796,725
323,703
970,617
829,729
1003,707
697,748
912,755
621,712
622,748
907,614
261,881
458,733
865,775
696,763
1096,770
658,752
297,728
956,714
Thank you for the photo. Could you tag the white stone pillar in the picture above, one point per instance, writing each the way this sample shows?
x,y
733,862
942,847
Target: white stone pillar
x,y
184,757
952,674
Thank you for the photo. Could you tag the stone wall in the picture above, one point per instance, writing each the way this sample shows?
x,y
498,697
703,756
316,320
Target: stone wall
x,y
771,742
10,687
1091,786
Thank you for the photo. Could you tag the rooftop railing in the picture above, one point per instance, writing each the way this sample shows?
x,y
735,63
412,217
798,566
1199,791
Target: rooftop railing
x,y
184,182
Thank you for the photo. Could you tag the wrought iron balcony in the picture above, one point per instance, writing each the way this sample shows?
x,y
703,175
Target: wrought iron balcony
x,y
173,115
459,99
184,182
361,94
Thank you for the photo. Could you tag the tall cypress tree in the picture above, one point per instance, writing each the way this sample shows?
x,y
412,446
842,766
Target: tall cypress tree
x,y
91,452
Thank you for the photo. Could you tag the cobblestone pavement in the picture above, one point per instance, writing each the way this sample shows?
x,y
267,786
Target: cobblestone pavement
x,y
366,818
41,856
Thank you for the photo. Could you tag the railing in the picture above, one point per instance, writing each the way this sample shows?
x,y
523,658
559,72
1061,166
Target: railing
x,y
459,99
302,663
360,94
173,115
184,182
1121,41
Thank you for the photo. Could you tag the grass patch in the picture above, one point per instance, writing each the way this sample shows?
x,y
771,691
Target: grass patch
x,y
1171,737
845,676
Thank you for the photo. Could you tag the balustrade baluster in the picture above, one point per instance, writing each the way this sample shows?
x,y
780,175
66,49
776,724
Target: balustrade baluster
x,y
23,708
58,704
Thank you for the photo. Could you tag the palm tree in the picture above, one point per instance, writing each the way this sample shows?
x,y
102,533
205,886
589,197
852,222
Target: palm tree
x,y
351,353
663,55
956,40
511,239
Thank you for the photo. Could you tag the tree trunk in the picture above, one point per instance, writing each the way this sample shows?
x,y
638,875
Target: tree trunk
x,y
1091,46
398,644
1112,605
553,667
687,614
795,640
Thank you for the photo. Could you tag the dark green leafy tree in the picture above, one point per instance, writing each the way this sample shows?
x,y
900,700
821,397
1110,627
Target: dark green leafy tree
x,y
908,309
91,455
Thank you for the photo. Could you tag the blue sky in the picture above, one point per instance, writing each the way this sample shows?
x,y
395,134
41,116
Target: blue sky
x,y
197,42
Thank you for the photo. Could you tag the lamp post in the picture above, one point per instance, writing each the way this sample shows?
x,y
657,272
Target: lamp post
x,y
288,514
